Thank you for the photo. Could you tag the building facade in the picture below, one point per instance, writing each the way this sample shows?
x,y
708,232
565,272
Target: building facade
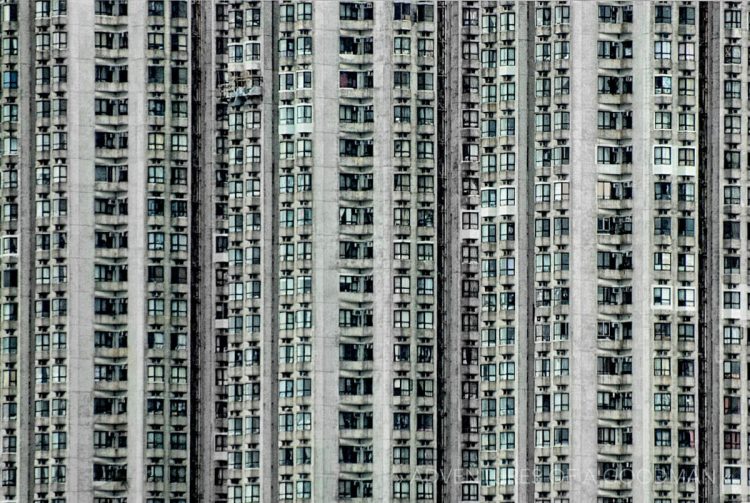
x,y
470,250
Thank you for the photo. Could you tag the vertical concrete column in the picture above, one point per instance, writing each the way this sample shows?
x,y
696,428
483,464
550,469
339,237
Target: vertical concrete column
x,y
583,273
710,475
81,159
383,251
269,354
526,251
26,254
643,190
325,252
137,261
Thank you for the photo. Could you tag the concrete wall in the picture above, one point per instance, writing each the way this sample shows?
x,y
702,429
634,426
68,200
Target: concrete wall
x,y
583,284
80,251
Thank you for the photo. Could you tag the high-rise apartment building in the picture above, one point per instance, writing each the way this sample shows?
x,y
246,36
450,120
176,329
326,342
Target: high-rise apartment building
x,y
429,251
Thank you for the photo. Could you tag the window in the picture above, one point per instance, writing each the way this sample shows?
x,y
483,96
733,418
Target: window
x,y
732,19
662,226
732,124
562,226
543,16
562,366
732,335
662,296
179,143
614,50
562,50
686,297
489,58
731,194
562,191
687,15
542,122
155,174
686,192
731,300
663,155
156,141
562,121
732,89
425,115
662,261
401,148
60,40
506,475
561,402
686,86
686,403
732,54
663,14
543,52
507,91
506,21
686,227
686,51
507,126
507,56
10,80
543,87
663,120
178,75
663,49
662,84
731,264
401,285
662,437
9,46
562,14
732,474
470,51
425,150
401,319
